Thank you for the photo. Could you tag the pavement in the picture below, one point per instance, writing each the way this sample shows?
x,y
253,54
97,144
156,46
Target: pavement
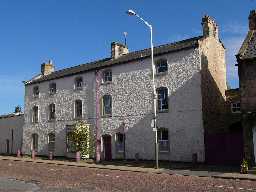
x,y
200,171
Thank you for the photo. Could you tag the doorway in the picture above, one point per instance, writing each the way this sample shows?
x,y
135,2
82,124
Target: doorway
x,y
7,146
107,147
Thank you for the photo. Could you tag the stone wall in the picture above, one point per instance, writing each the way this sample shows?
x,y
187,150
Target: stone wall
x,y
7,124
131,91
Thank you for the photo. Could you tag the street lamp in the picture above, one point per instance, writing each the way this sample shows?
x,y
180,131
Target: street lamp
x,y
133,13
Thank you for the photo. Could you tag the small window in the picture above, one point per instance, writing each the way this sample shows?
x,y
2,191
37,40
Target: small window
x,y
163,140
35,114
235,107
52,88
162,99
106,105
120,138
52,111
51,142
35,142
79,83
161,66
107,76
36,91
78,109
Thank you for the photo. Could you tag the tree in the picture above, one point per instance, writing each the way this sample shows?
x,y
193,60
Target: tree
x,y
81,138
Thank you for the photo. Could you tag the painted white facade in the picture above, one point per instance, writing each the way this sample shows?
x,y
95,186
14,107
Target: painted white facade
x,y
11,128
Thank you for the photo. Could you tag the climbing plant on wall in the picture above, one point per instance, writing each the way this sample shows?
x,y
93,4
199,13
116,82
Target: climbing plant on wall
x,y
81,137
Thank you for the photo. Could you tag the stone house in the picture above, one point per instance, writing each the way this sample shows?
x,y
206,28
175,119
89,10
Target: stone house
x,y
246,59
11,129
115,95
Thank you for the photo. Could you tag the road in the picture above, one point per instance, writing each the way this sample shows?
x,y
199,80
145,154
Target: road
x,y
40,177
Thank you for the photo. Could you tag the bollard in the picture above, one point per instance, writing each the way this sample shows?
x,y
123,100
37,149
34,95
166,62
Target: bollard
x,y
33,154
50,155
77,156
18,153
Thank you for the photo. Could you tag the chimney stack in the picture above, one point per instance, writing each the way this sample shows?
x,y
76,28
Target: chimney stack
x,y
47,68
118,49
210,27
252,20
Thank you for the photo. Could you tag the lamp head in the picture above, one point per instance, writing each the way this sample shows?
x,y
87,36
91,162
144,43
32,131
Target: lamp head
x,y
130,12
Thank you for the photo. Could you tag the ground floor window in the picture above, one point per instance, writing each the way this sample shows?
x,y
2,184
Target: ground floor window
x,y
70,144
35,142
163,140
51,142
120,138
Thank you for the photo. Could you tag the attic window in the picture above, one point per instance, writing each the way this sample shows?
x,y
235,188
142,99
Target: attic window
x,y
78,83
161,66
52,88
36,91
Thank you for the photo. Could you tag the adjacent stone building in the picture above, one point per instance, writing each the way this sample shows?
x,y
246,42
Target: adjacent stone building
x,y
11,130
115,94
246,59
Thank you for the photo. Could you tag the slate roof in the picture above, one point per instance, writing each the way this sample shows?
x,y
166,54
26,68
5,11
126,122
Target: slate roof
x,y
10,115
136,55
248,49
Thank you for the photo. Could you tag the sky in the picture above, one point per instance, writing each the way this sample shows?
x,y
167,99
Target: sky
x,y
72,32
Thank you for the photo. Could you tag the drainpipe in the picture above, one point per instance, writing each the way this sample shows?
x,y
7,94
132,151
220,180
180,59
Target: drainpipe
x,y
98,139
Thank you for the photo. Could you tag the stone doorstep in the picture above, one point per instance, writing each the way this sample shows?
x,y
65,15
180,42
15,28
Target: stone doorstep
x,y
219,175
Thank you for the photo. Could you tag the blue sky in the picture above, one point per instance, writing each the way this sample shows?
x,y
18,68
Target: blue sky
x,y
72,32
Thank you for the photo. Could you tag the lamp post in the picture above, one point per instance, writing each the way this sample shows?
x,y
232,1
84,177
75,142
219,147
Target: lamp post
x,y
133,13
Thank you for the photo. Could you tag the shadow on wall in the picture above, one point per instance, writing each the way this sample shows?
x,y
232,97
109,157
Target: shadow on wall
x,y
220,141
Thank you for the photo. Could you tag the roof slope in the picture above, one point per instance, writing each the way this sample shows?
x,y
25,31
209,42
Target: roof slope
x,y
159,50
248,48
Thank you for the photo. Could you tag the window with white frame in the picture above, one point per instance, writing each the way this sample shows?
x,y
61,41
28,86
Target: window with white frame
x,y
106,105
52,88
78,109
35,114
120,139
71,148
163,140
79,83
52,111
161,66
51,142
235,107
34,142
162,99
36,91
107,76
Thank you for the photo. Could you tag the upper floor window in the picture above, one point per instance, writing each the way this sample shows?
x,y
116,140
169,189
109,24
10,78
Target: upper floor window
x,y
78,109
106,105
35,114
107,76
52,88
36,91
52,111
235,107
163,140
162,99
79,83
161,66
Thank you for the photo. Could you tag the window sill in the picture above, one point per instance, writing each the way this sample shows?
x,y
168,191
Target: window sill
x,y
78,89
78,118
161,73
35,97
51,120
35,123
163,111
163,151
106,116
